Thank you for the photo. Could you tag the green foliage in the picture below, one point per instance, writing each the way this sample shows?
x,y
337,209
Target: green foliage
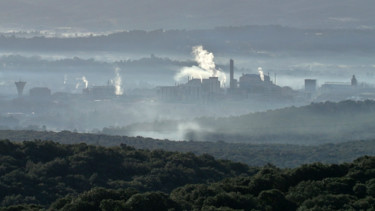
x,y
86,177
41,172
281,155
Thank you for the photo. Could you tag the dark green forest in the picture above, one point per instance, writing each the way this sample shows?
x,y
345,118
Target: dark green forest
x,y
280,155
77,171
317,123
40,172
37,175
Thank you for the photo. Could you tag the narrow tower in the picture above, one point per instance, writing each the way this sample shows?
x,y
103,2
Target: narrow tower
x,y
232,84
20,85
354,81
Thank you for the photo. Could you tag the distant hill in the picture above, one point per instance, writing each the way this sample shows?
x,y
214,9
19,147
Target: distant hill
x,y
245,40
317,123
281,155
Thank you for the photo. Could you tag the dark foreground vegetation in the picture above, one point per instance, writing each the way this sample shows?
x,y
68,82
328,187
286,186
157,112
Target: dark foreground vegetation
x,y
47,175
280,155
41,172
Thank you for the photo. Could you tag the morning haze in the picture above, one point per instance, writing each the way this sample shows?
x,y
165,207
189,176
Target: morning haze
x,y
187,105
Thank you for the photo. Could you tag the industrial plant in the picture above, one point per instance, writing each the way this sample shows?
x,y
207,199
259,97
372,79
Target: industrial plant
x,y
248,87
200,90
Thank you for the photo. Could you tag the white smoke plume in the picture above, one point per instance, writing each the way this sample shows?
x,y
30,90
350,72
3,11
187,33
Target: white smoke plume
x,y
65,79
117,82
261,74
206,66
85,81
82,80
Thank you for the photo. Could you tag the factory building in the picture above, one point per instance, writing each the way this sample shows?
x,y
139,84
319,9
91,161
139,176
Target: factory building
x,y
40,92
101,92
257,87
310,85
253,83
336,87
337,91
194,90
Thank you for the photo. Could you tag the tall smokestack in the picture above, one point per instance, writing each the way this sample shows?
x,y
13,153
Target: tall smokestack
x,y
20,85
231,68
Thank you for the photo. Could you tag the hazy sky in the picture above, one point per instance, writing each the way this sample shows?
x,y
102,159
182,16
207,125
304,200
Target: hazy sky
x,y
100,15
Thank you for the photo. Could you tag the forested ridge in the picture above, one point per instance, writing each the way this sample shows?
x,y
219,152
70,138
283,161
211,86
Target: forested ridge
x,y
317,123
43,171
281,155
38,175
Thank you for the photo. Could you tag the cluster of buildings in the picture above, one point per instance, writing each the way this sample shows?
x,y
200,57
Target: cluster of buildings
x,y
337,91
194,90
94,92
248,86
35,92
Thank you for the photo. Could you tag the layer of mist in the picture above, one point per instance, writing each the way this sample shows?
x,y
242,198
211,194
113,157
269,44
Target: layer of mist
x,y
137,64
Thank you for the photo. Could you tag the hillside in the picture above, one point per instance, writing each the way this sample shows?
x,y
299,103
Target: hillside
x,y
281,155
246,40
46,175
317,123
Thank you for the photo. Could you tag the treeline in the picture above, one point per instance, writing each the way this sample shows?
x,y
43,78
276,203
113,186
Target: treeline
x,y
246,39
349,186
46,175
40,172
317,123
281,155
35,63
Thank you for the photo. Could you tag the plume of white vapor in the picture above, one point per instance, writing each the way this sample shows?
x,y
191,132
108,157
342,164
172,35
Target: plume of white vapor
x,y
85,81
261,74
117,82
82,80
65,79
206,66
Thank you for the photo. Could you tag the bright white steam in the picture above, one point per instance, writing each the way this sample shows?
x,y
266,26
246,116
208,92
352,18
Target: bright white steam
x,y
261,74
117,82
85,81
82,80
206,66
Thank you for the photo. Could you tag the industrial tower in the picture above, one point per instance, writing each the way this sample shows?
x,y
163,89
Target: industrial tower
x,y
20,85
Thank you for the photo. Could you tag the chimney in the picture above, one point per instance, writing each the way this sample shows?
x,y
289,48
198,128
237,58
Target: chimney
x,y
232,84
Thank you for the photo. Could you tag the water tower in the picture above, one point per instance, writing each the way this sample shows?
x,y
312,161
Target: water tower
x,y
20,85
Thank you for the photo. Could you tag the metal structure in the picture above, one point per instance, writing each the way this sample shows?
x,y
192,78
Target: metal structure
x,y
20,86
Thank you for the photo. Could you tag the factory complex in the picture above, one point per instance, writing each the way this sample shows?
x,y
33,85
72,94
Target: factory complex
x,y
248,87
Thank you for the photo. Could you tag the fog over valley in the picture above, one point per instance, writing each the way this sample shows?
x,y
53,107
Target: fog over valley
x,y
116,80
187,105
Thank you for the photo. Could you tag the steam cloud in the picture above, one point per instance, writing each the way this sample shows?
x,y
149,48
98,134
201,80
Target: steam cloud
x,y
261,74
84,81
206,66
117,82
